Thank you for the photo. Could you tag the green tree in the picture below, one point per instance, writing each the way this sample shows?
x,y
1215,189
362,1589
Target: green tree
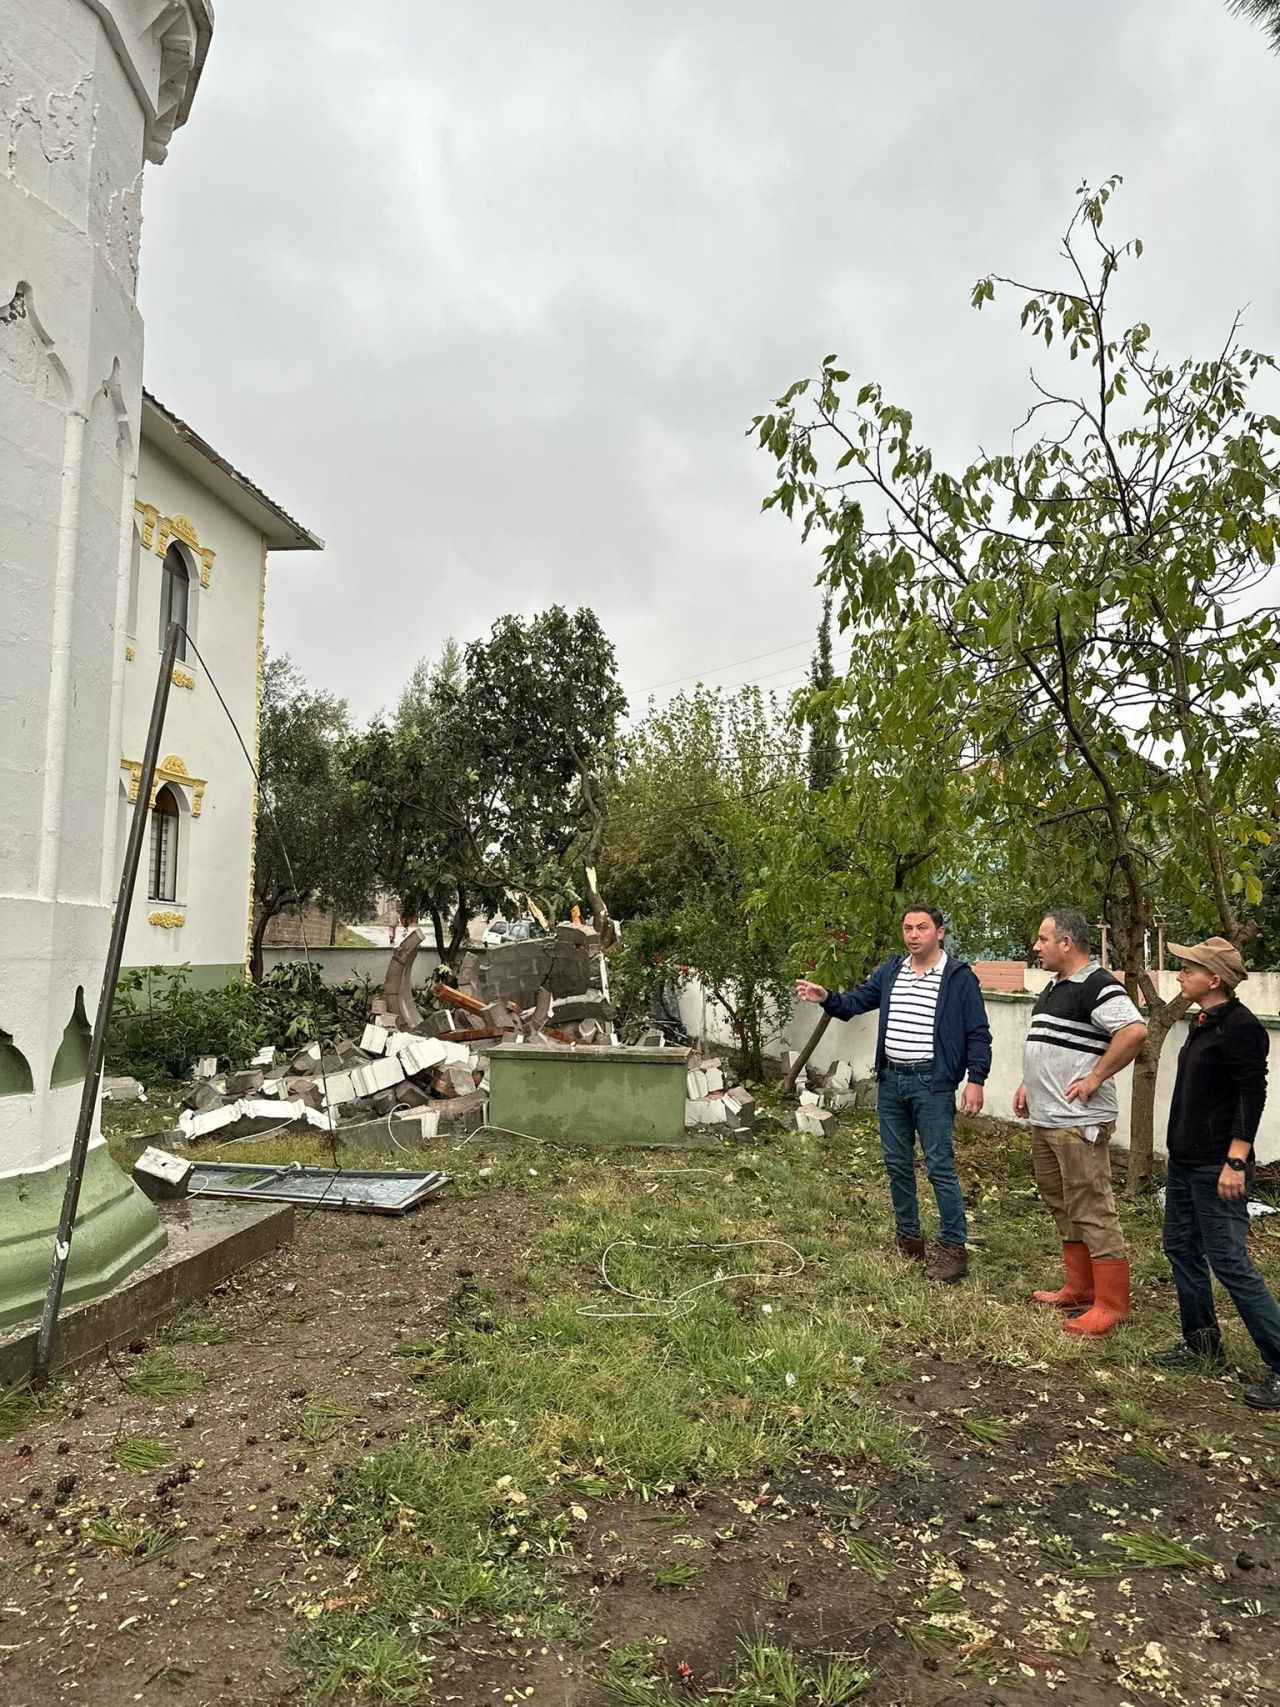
x,y
824,726
689,818
310,850
1265,13
543,704
1090,605
485,782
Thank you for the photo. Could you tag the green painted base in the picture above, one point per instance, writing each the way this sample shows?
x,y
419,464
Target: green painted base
x,y
116,1231
594,1095
203,977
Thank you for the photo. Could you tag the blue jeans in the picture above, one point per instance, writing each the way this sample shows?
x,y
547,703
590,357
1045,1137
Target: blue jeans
x,y
1203,1232
906,1107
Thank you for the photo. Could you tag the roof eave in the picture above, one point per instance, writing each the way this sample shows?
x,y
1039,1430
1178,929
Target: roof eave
x,y
173,438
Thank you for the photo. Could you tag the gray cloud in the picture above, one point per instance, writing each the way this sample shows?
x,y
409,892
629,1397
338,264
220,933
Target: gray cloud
x,y
487,293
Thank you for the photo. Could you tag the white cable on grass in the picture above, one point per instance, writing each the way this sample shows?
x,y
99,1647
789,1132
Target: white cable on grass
x,y
670,1309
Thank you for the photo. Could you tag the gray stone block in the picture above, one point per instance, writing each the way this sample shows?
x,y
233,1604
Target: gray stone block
x,y
202,1097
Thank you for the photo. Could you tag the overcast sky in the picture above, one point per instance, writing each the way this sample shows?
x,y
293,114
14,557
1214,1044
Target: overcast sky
x,y
486,292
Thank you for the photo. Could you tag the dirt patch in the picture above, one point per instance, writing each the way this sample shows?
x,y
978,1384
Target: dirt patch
x,y
994,1571
297,1368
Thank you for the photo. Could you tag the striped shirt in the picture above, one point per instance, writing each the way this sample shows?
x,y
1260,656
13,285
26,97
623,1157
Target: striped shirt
x,y
913,1003
1072,1025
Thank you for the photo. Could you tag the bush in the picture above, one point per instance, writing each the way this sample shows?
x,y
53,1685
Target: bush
x,y
160,1024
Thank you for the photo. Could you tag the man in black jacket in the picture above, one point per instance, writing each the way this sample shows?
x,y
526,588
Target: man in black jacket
x,y
1217,1102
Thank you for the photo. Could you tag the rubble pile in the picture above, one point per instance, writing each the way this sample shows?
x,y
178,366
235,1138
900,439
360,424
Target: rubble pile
x,y
710,1102
823,1092
428,1070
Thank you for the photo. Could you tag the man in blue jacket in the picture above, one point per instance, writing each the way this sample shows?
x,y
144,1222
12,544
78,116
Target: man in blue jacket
x,y
933,1033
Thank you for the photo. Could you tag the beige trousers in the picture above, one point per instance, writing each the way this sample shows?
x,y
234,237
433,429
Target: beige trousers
x,y
1073,1176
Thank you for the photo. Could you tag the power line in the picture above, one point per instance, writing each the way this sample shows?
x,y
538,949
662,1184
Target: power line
x,y
714,669
798,671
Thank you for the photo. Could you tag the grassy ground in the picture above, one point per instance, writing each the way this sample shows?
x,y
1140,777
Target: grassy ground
x,y
770,1464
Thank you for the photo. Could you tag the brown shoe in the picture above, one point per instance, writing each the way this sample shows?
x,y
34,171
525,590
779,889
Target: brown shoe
x,y
950,1263
911,1246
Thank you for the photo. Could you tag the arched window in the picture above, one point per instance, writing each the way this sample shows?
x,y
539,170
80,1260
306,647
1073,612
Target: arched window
x,y
175,594
162,867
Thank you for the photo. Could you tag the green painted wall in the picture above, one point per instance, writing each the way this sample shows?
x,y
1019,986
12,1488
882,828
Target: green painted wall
x,y
598,1095
116,1231
199,977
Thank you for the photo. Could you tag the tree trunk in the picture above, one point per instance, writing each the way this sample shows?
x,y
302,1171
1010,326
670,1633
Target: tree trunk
x,y
255,953
801,1061
459,931
437,924
1160,1018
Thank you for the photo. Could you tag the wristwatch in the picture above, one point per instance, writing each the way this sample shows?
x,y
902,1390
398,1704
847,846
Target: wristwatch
x,y
1237,1164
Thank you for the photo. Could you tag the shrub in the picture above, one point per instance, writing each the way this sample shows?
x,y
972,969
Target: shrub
x,y
160,1024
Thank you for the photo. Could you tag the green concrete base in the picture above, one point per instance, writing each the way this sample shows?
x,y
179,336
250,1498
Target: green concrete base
x,y
116,1231
594,1095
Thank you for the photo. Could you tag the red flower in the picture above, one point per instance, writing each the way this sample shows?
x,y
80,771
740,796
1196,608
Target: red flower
x,y
684,1672
684,971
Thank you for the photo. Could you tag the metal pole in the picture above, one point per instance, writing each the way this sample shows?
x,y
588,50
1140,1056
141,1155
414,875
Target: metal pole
x,y
97,1045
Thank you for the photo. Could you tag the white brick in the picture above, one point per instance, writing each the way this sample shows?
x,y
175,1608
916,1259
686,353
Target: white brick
x,y
696,1084
420,1054
373,1040
377,1076
705,1111
212,1120
337,1087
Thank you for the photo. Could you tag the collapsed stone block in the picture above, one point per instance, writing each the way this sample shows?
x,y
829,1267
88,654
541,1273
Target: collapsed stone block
x,y
262,1114
817,1122
705,1111
202,1097
206,1123
591,1004
266,1057
373,1039
714,1078
162,1176
205,1067
840,1077
421,1054
652,1039
376,1076
307,1059
397,990
337,1088
696,1086
436,1023
462,1115
740,1106
244,1084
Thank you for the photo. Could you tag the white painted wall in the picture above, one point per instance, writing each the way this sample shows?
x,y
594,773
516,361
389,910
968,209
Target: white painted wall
x,y
87,91
344,965
855,1041
215,825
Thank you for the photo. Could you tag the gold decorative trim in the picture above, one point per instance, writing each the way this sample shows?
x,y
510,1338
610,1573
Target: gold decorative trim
x,y
168,921
183,678
183,528
170,769
150,516
128,654
257,752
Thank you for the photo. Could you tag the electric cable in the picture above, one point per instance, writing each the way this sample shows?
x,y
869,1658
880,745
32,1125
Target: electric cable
x,y
667,1309
288,865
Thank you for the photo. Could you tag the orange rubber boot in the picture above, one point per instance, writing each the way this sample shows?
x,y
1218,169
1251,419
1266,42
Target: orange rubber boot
x,y
1111,1286
1079,1271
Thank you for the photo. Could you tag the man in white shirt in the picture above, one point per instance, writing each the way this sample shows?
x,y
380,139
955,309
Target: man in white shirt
x,y
933,1032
